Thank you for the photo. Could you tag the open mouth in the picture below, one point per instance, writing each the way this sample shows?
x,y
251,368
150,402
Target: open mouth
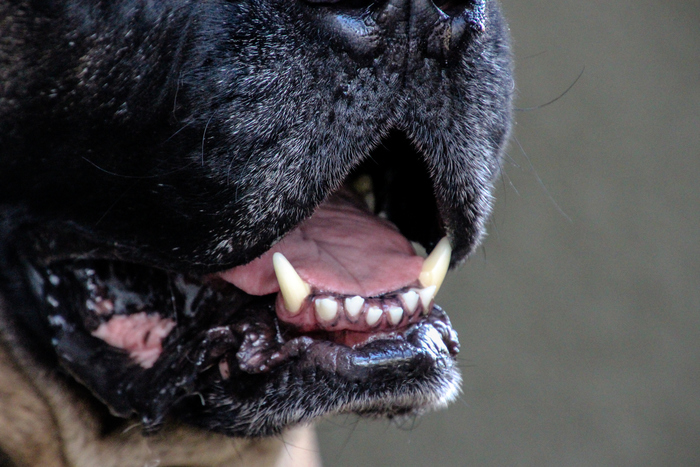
x,y
342,304
345,269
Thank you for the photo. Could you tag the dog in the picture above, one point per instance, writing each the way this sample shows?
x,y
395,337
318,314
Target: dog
x,y
208,212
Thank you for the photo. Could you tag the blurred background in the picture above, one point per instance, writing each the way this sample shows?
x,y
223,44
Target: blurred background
x,y
579,318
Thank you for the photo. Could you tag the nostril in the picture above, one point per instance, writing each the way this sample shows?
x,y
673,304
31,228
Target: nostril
x,y
365,29
352,25
453,7
458,21
343,4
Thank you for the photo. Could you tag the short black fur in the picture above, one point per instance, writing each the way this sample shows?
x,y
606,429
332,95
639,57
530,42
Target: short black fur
x,y
190,136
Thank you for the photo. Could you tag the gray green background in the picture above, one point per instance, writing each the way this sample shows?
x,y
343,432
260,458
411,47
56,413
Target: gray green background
x,y
580,317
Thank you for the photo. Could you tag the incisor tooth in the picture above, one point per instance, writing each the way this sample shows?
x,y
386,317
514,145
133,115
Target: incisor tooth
x,y
353,305
294,289
436,264
373,315
410,299
326,308
426,296
395,314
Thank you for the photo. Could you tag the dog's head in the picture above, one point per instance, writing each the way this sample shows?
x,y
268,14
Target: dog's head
x,y
168,167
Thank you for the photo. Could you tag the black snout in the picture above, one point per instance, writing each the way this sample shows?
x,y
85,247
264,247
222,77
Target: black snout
x,y
413,28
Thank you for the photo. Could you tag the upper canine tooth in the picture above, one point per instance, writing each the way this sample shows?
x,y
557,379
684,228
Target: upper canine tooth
x,y
326,308
395,314
436,264
353,305
294,289
410,299
426,296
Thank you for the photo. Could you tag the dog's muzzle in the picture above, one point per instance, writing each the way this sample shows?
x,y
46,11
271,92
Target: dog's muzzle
x,y
242,255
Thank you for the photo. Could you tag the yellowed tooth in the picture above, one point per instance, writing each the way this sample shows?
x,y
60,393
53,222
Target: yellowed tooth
x,y
436,264
426,296
326,308
294,289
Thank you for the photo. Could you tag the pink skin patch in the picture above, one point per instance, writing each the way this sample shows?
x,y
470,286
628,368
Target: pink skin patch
x,y
140,334
341,249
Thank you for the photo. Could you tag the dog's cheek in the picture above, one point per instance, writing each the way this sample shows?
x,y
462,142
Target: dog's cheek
x,y
282,122
215,128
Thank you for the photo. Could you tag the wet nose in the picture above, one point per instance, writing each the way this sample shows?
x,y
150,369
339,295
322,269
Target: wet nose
x,y
432,28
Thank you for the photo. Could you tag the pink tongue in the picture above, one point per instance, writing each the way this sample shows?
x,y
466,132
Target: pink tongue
x,y
341,249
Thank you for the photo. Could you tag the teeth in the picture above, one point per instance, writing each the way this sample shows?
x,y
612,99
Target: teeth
x,y
395,314
426,296
373,315
435,266
410,299
363,186
353,305
326,309
294,289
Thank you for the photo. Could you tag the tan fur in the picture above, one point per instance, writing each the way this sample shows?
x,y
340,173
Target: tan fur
x,y
44,423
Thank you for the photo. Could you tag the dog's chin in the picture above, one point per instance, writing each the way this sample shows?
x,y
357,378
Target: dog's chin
x,y
231,352
160,344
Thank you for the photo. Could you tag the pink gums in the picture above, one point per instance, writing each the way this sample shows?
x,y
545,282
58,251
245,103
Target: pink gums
x,y
140,334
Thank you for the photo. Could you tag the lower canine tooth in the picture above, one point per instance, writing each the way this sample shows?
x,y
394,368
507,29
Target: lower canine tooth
x,y
353,305
395,314
410,299
426,296
326,308
373,315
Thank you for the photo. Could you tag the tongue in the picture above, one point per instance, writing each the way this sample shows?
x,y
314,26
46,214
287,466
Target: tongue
x,y
341,249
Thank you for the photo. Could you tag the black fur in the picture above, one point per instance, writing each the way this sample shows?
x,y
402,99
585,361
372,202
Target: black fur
x,y
190,136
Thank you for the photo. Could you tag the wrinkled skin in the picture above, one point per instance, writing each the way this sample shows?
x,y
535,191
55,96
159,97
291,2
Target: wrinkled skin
x,y
155,143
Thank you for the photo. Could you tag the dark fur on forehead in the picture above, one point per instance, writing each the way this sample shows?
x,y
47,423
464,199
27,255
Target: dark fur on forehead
x,y
192,135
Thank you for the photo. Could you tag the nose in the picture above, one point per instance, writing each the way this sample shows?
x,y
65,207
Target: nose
x,y
431,28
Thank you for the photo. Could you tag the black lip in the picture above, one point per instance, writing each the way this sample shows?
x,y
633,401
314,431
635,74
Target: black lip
x,y
404,371
395,377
